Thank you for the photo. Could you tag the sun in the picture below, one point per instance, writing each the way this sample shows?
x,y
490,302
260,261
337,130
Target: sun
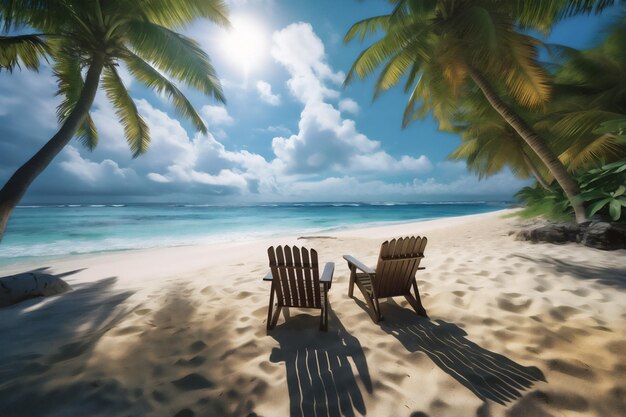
x,y
245,43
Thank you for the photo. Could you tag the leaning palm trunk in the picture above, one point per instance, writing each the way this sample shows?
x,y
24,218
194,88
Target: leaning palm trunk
x,y
536,143
16,186
533,169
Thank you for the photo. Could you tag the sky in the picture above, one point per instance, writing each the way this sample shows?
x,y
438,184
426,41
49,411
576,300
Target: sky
x,y
289,132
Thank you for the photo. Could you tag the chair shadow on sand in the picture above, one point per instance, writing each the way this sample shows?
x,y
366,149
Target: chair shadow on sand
x,y
489,375
320,378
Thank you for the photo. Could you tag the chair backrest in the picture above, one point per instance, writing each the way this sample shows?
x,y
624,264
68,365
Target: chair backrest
x,y
397,263
295,276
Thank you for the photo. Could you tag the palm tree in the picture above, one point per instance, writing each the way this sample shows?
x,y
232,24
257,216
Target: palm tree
x,y
590,103
489,144
85,41
441,44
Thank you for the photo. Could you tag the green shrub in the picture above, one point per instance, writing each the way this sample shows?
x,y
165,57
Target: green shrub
x,y
603,190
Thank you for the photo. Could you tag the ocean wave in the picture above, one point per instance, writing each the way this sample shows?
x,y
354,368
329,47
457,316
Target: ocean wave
x,y
388,204
28,206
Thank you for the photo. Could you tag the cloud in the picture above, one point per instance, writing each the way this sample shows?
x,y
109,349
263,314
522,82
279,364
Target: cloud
x,y
326,142
217,115
92,172
265,93
349,106
277,130
302,53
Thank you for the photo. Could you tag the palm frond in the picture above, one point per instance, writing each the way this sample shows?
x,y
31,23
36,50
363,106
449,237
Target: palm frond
x,y
27,50
135,128
176,13
527,82
70,84
151,78
176,55
584,155
87,134
367,27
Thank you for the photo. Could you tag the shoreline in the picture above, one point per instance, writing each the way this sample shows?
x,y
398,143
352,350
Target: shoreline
x,y
377,229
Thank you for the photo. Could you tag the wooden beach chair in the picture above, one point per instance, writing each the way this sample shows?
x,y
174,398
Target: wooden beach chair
x,y
296,282
394,275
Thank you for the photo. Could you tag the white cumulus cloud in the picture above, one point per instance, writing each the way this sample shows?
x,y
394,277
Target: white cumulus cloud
x,y
265,93
217,115
348,105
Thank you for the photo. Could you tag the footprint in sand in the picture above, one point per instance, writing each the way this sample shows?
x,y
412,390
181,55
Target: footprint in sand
x,y
159,396
572,367
191,363
506,305
193,382
243,294
618,347
185,412
562,313
581,292
197,346
142,311
207,291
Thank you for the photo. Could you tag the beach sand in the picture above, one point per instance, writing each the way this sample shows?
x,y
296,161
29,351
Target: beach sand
x,y
516,329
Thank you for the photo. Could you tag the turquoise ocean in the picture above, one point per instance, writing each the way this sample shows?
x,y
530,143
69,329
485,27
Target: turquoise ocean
x,y
60,230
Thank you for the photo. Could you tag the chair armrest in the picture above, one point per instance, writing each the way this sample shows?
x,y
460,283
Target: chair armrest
x,y
421,267
358,264
268,276
327,275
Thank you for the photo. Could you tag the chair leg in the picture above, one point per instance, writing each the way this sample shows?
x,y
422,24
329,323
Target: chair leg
x,y
417,301
379,316
269,308
324,312
370,304
352,279
275,317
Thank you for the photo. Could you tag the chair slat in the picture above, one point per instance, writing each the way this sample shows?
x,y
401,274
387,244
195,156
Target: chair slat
x,y
316,278
271,253
308,278
297,262
282,275
293,287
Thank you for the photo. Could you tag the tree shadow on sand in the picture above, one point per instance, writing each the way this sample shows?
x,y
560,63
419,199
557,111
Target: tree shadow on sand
x,y
489,375
320,379
34,342
609,276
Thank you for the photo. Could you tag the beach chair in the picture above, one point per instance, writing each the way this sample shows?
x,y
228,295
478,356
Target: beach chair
x,y
296,282
394,275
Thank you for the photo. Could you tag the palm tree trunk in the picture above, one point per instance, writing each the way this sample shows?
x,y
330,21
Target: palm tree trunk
x,y
536,143
16,186
533,169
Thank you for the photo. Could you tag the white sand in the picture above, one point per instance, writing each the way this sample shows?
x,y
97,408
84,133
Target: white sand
x,y
517,330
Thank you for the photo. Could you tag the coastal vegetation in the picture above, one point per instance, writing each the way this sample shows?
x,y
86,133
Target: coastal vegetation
x,y
476,66
84,42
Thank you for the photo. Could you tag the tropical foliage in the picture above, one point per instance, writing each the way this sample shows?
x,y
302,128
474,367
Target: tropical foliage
x,y
85,42
603,188
587,115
